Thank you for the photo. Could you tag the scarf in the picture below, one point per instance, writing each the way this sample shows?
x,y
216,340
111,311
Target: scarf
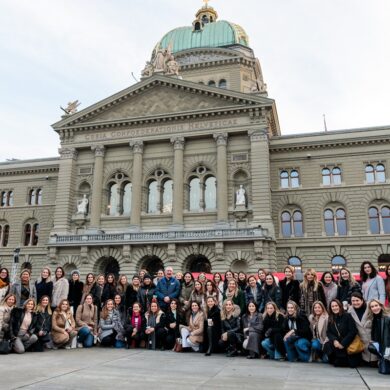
x,y
3,283
136,321
230,294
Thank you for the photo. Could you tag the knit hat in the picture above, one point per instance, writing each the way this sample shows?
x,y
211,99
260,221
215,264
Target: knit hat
x,y
75,271
147,276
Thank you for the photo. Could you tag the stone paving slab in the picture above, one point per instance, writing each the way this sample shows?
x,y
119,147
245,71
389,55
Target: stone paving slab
x,y
110,368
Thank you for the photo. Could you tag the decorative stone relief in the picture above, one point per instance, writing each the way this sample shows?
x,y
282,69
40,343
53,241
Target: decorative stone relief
x,y
258,250
84,255
221,138
219,251
171,250
137,146
99,150
126,252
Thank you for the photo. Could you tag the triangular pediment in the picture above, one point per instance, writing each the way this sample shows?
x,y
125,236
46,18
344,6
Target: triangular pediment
x,y
160,96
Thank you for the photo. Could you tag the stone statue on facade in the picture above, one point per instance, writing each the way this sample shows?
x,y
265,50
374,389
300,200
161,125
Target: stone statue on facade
x,y
82,205
148,70
71,108
241,196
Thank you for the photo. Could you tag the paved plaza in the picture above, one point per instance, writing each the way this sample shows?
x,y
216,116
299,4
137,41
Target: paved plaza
x,y
109,368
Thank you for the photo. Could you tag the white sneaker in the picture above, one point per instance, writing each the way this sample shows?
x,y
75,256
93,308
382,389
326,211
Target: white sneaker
x,y
80,345
68,347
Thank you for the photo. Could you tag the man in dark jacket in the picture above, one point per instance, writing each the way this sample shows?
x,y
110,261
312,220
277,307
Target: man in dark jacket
x,y
167,288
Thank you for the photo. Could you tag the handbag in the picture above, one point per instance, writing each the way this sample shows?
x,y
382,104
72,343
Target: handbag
x,y
178,345
5,347
357,345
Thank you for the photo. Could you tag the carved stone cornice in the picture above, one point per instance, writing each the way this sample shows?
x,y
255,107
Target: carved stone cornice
x,y
137,146
258,135
68,153
178,143
99,150
221,139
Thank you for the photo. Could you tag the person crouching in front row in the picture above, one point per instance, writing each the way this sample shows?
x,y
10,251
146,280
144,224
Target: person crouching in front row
x,y
155,327
232,337
63,330
192,334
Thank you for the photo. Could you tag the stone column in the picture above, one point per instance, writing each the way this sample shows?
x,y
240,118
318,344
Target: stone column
x,y
97,187
261,186
65,200
136,193
222,180
178,182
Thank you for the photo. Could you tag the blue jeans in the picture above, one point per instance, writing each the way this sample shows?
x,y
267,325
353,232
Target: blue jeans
x,y
297,349
85,337
272,352
316,347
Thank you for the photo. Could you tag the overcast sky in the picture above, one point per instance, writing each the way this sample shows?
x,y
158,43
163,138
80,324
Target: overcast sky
x,y
317,56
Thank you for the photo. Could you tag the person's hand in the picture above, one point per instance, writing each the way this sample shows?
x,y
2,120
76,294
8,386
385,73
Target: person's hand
x,y
288,334
167,299
134,332
224,336
172,325
41,333
337,344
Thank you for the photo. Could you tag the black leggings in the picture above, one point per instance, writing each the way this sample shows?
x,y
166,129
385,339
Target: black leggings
x,y
109,340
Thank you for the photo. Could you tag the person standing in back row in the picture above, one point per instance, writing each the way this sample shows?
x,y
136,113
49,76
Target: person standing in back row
x,y
167,288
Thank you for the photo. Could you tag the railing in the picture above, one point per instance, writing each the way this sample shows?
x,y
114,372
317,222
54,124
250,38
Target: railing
x,y
168,236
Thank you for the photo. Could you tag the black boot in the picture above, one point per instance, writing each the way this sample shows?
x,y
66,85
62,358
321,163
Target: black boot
x,y
210,337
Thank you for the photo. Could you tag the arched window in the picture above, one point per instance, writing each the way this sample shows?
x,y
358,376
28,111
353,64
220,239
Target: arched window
x,y
27,234
197,26
284,182
210,193
385,213
199,263
114,200
331,177
298,224
212,83
286,224
374,221
380,173
295,262
10,198
35,234
4,235
167,196
335,222
152,197
294,176
341,222
195,194
289,178
375,173
7,199
337,263
222,84
31,234
39,196
329,222
127,199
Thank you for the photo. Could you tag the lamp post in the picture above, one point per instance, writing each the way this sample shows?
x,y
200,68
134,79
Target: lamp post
x,y
15,264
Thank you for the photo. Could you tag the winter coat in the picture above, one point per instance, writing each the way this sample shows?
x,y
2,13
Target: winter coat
x,y
199,298
5,318
273,329
273,294
167,288
364,330
160,320
17,316
308,297
44,322
75,293
96,292
128,326
106,325
87,315
290,292
58,326
254,325
302,326
215,315
131,296
238,300
4,292
232,324
185,294
384,337
345,290
343,329
60,291
44,287
145,295
195,327
255,296
109,292
330,292
319,327
374,289
16,289
170,319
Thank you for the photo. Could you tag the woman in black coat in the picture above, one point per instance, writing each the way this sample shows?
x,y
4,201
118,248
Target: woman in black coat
x,y
109,289
173,320
43,325
212,326
341,332
252,325
145,293
270,292
289,287
346,286
232,337
75,291
272,334
134,326
44,285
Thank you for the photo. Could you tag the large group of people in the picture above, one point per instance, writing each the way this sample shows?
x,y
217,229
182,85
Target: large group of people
x,y
334,319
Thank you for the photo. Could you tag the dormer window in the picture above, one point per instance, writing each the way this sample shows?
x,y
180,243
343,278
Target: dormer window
x,y
197,26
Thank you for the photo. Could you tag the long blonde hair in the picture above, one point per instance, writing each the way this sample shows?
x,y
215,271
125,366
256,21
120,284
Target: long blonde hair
x,y
224,314
385,310
305,283
351,279
276,309
324,311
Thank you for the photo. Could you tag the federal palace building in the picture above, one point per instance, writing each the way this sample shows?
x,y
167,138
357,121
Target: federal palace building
x,y
189,168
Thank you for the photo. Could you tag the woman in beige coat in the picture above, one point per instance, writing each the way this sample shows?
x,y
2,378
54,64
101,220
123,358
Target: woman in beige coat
x,y
319,324
192,334
63,325
86,322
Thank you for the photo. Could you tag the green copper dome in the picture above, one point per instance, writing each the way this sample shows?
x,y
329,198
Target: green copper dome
x,y
218,34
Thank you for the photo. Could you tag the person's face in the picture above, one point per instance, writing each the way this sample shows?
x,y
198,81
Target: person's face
x,y
375,307
269,280
309,277
75,277
229,275
210,303
231,285
123,280
30,306
335,308
88,300
287,273
202,277
235,275
241,277
3,274
187,278
147,282
153,307
173,305
194,307
90,278
169,272
179,276
59,273
209,287
344,274
251,308
136,282
229,306
11,301
45,302
367,269
317,309
101,280
64,306
290,309
110,305
270,310
252,282
117,299
160,274
261,275
141,274
327,278
356,303
110,279
198,286
45,273
136,308
217,278
25,277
